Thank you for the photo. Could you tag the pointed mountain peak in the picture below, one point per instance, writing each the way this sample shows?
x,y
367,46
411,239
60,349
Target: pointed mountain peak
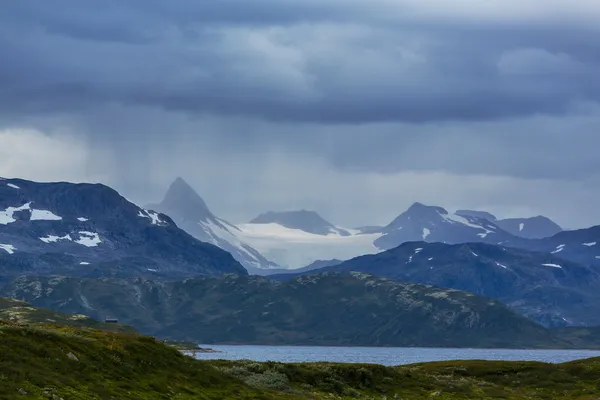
x,y
183,199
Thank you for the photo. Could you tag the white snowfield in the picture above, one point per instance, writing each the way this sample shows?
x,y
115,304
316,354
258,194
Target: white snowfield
x,y
87,239
295,248
220,230
7,215
11,185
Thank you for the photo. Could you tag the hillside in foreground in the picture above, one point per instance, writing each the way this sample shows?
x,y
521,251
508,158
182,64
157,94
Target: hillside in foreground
x,y
73,363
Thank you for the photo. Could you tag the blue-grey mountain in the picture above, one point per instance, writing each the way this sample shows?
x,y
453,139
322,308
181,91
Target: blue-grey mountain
x,y
550,290
90,230
530,228
185,206
436,224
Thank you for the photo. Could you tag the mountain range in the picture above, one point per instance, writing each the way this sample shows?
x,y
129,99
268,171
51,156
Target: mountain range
x,y
541,286
295,239
538,227
83,248
190,213
90,230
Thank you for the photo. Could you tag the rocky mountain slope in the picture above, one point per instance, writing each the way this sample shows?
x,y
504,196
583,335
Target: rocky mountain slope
x,y
541,286
189,211
581,246
538,227
90,230
436,224
328,309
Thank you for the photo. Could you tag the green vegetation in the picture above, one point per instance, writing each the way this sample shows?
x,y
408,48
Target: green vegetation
x,y
330,309
20,312
52,362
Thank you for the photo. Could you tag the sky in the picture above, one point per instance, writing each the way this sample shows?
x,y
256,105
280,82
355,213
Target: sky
x,y
354,108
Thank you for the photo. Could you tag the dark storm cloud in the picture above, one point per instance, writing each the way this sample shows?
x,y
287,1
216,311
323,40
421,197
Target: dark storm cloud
x,y
334,105
329,61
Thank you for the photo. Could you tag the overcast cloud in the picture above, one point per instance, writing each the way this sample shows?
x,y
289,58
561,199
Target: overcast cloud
x,y
353,108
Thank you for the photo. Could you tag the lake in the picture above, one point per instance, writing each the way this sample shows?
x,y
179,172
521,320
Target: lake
x,y
385,355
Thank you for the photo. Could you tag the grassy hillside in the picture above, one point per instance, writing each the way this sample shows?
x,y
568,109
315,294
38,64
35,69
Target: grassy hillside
x,y
332,309
19,312
80,363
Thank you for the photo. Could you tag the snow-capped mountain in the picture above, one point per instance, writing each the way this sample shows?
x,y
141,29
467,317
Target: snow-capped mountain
x,y
538,227
436,224
189,211
307,221
90,230
296,248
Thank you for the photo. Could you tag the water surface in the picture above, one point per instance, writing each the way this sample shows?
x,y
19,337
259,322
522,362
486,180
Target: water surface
x,y
386,355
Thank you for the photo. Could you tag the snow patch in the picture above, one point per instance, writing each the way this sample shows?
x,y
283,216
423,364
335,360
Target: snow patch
x,y
44,215
82,219
430,259
476,255
417,251
153,216
521,226
152,270
501,265
426,232
88,239
454,218
9,248
10,185
84,263
54,239
559,248
590,244
7,216
552,265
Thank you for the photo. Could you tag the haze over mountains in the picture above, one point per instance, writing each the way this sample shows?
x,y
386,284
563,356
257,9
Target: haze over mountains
x,y
190,213
84,248
294,239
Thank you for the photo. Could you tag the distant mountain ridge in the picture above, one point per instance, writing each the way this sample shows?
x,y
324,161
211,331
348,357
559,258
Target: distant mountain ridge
x,y
436,224
581,245
190,213
538,227
90,230
307,221
550,290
